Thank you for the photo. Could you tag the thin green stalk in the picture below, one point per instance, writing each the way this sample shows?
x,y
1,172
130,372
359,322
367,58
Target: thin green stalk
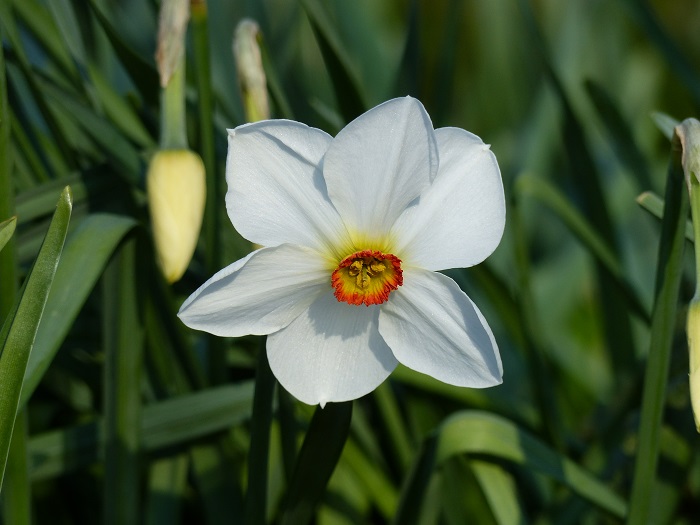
x,y
668,278
173,127
258,454
200,33
122,388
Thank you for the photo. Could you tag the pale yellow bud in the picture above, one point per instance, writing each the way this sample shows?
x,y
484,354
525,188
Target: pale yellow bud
x,y
251,75
693,329
176,188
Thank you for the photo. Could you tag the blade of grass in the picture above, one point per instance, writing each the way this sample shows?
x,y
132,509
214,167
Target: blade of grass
x,y
475,432
19,329
665,123
668,280
123,343
317,459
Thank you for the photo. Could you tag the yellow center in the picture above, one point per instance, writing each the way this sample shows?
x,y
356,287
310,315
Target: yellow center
x,y
367,277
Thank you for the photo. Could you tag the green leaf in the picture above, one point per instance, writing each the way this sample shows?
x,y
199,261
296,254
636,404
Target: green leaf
x,y
500,491
652,203
317,459
665,123
620,135
475,432
19,330
7,228
88,249
164,424
345,80
591,240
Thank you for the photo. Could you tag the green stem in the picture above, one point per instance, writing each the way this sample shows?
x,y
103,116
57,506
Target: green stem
x,y
695,212
668,278
258,454
173,125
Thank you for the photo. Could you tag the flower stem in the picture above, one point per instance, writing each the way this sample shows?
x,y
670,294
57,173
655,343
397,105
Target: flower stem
x,y
668,278
173,127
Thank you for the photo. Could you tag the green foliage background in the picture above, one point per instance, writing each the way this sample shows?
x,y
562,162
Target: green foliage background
x,y
126,416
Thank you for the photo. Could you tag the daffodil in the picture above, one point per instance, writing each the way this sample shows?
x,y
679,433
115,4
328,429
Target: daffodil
x,y
354,229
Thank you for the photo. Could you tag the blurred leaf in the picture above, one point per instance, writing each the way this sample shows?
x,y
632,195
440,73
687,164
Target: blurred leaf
x,y
345,81
675,57
665,123
166,489
316,461
42,26
652,203
7,228
69,30
20,327
500,491
118,110
577,224
88,249
473,432
142,71
587,180
620,135
112,143
164,424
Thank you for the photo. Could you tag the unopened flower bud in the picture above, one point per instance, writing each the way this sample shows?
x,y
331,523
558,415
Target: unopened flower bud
x,y
176,194
251,75
172,26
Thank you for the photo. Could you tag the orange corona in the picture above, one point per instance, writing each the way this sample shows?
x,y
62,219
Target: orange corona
x,y
367,277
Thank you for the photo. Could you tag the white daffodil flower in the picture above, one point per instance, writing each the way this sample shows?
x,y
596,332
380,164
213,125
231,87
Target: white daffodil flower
x,y
354,229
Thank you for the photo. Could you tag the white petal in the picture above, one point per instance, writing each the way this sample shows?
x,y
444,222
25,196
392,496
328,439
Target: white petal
x,y
276,191
331,352
459,220
432,327
258,294
379,163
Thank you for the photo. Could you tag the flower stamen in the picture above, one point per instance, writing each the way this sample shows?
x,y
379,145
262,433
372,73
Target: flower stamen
x,y
367,277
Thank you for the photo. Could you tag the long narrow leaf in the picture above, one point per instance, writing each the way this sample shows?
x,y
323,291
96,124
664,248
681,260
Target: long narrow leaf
x,y
88,249
316,461
7,228
475,432
19,330
668,280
